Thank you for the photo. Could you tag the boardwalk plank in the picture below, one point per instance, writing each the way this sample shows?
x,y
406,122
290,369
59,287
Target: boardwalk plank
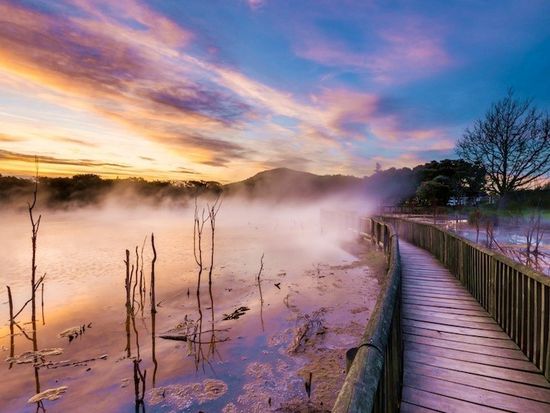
x,y
478,312
456,357
472,348
457,330
481,369
431,295
434,302
487,383
413,408
455,291
474,395
441,403
411,315
451,353
476,318
489,342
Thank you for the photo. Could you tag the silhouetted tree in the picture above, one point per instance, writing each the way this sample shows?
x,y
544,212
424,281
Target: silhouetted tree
x,y
435,192
466,181
512,142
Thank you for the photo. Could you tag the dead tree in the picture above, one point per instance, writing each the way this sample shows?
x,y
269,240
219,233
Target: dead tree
x,y
12,322
212,213
198,227
260,290
512,142
128,286
142,283
152,287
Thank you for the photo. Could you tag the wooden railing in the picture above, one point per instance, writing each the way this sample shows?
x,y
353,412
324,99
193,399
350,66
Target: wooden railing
x,y
373,382
516,296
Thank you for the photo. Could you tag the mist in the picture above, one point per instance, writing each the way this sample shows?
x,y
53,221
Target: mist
x,y
285,278
273,187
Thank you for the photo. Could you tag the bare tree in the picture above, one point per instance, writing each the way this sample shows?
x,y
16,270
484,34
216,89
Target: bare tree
x,y
512,142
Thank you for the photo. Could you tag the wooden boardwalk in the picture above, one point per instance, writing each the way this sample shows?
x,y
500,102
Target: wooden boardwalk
x,y
457,359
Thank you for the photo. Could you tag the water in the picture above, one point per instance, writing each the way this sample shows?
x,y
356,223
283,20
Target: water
x,y
511,239
243,364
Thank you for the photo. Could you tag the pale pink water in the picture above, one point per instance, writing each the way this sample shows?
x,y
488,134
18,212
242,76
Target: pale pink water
x,y
82,254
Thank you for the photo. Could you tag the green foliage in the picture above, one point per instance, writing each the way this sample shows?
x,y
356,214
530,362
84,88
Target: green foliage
x,y
435,192
433,183
465,180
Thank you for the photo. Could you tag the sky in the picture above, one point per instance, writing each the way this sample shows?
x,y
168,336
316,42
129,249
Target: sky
x,y
223,89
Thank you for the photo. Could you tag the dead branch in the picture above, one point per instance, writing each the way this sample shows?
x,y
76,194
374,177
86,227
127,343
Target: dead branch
x,y
12,336
152,287
42,302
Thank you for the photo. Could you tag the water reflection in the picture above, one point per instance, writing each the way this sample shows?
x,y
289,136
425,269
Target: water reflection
x,y
153,307
135,289
233,264
259,280
525,242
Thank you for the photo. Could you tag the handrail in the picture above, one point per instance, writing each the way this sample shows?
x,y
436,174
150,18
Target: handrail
x,y
516,296
374,380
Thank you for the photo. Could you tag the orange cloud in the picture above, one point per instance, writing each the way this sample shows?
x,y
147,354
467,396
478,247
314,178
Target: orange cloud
x,y
126,65
121,71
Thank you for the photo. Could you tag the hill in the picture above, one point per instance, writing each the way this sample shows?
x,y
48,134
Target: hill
x,y
283,183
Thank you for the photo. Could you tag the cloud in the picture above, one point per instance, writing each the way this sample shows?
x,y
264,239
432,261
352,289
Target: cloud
x,y
126,64
4,137
256,4
43,159
75,141
182,170
119,70
193,99
346,109
404,51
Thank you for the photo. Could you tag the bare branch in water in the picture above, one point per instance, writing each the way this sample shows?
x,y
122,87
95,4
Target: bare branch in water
x,y
42,301
152,287
139,386
35,228
142,284
212,213
38,283
127,284
12,336
260,289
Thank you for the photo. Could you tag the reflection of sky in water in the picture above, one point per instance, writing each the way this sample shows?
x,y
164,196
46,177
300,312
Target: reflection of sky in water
x,y
506,236
83,258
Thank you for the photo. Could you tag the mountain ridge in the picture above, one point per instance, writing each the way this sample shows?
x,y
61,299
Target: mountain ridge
x,y
281,183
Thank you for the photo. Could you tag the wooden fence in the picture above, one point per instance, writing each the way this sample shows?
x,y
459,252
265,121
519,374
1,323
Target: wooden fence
x,y
374,380
516,296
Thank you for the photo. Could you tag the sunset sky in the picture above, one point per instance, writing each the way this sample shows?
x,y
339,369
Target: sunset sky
x,y
205,89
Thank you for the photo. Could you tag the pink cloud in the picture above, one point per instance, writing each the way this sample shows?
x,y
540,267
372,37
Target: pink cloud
x,y
343,108
255,4
408,52
348,114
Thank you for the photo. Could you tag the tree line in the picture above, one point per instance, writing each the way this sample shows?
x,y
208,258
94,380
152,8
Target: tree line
x,y
89,189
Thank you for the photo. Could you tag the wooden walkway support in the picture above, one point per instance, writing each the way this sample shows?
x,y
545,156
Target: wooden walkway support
x,y
456,357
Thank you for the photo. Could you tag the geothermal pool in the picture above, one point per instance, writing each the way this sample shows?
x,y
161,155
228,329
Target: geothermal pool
x,y
242,346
